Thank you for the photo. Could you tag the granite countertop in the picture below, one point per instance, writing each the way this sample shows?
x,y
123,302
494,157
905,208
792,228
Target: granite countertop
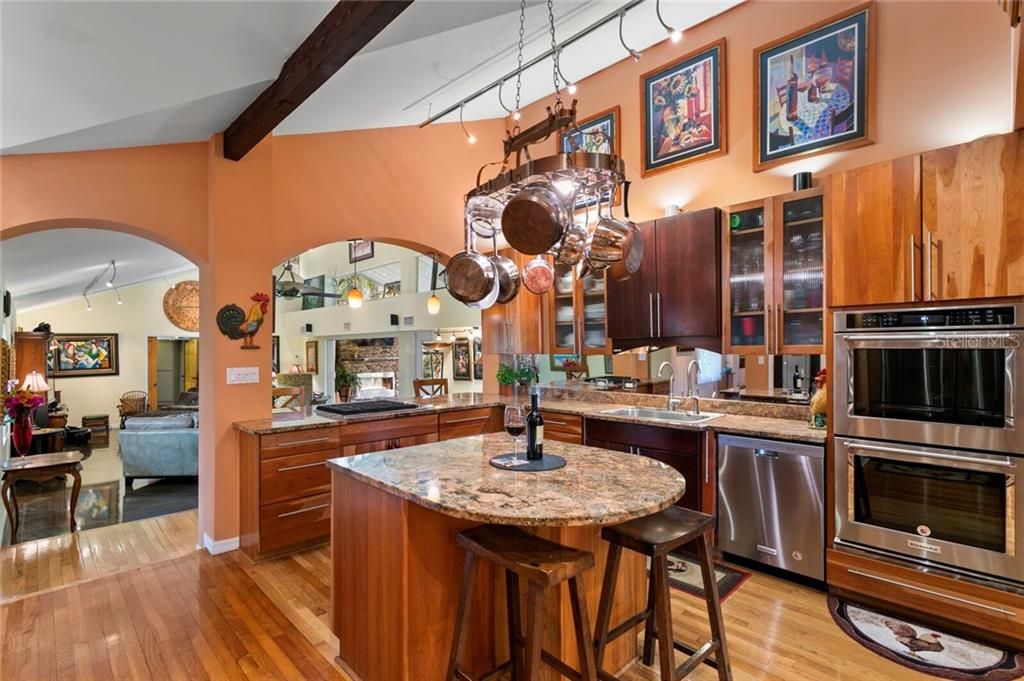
x,y
749,424
596,486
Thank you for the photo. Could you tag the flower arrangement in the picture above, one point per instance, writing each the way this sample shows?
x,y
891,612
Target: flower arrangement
x,y
20,403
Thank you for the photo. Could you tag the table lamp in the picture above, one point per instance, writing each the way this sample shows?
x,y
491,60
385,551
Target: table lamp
x,y
35,383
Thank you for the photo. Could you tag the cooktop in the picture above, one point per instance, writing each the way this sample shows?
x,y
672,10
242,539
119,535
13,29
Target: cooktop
x,y
360,407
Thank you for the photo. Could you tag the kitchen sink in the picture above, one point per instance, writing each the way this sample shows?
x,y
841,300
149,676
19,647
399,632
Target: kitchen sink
x,y
661,414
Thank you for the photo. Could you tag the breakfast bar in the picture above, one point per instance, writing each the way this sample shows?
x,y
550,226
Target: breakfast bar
x,y
396,568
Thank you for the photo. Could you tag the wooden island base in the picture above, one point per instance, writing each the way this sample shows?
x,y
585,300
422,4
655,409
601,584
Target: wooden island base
x,y
395,589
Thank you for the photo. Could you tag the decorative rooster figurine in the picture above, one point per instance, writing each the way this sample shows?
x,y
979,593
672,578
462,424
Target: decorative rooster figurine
x,y
234,323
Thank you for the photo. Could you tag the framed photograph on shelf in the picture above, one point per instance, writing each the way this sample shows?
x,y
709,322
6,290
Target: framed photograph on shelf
x,y
683,105
312,357
313,301
813,89
478,360
462,360
359,250
598,134
82,355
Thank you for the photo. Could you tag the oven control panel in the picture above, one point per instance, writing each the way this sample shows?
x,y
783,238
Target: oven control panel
x,y
1000,317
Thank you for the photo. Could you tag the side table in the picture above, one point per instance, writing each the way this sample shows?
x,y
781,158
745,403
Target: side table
x,y
40,468
99,424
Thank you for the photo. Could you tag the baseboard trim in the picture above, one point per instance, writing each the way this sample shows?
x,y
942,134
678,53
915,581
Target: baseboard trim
x,y
220,545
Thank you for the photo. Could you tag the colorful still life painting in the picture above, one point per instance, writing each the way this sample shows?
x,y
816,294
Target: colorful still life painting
x,y
812,90
684,110
83,355
598,134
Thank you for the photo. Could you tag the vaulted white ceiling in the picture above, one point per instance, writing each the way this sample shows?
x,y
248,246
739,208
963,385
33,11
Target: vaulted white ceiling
x,y
86,75
47,267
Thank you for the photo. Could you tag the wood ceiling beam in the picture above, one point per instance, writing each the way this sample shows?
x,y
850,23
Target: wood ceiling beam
x,y
346,29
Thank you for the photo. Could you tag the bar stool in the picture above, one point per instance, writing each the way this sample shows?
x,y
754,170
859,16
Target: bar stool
x,y
542,563
656,536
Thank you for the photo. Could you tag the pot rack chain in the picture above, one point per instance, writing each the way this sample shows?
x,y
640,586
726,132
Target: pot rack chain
x,y
519,65
517,72
555,51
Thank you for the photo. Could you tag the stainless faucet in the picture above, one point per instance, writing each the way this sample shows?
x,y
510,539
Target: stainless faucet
x,y
671,384
690,370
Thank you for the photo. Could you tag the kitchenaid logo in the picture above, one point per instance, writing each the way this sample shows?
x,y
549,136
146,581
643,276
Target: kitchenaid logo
x,y
967,341
923,546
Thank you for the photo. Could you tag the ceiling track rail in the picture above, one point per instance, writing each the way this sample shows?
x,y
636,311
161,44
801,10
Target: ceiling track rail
x,y
547,54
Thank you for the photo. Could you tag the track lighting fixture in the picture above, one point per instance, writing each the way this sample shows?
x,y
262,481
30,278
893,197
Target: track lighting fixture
x,y
110,268
673,33
632,53
469,137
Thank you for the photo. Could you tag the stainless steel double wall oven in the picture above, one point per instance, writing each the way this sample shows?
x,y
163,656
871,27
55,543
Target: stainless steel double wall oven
x,y
927,447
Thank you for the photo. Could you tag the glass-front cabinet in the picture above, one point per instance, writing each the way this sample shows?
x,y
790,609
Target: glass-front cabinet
x,y
577,314
774,275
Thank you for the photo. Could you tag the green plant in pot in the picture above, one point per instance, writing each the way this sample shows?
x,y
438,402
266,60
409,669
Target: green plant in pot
x,y
510,378
345,383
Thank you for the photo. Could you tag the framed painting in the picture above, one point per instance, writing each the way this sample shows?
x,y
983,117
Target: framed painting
x,y
312,357
478,360
313,301
813,89
599,134
462,361
359,250
433,364
83,355
683,105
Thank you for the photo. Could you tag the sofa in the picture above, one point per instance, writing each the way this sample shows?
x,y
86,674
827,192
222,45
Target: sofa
x,y
162,446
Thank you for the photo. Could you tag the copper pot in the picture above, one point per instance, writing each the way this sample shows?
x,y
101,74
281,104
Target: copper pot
x,y
534,219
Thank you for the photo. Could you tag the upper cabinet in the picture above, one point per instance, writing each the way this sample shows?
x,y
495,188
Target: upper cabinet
x,y
675,297
775,279
945,225
973,219
875,234
515,327
577,314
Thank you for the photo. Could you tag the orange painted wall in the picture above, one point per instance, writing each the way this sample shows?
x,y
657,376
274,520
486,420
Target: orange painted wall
x,y
943,78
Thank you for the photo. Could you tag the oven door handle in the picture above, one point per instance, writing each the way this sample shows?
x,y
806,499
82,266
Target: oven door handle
x,y
929,338
930,455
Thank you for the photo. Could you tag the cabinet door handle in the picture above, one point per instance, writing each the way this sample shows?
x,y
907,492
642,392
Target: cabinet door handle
x,y
913,279
554,423
930,592
303,510
305,465
467,420
928,265
659,313
707,459
778,323
650,314
300,442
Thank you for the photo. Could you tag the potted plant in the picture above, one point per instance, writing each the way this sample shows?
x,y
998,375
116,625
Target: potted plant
x,y
511,377
345,384
18,408
574,369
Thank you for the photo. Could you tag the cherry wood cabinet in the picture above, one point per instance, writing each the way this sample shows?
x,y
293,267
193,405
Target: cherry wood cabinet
x,y
973,219
563,427
747,284
466,422
577,314
675,297
515,327
874,244
30,350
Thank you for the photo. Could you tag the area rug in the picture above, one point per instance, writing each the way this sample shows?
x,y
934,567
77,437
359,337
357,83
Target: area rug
x,y
924,649
684,574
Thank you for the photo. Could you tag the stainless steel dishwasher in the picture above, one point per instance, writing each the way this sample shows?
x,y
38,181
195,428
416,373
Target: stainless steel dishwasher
x,y
771,503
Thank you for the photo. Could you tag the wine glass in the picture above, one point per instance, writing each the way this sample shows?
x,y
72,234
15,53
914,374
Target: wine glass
x,y
515,424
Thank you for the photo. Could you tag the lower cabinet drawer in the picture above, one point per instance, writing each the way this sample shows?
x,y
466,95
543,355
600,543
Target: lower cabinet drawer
x,y
298,475
563,427
292,523
466,422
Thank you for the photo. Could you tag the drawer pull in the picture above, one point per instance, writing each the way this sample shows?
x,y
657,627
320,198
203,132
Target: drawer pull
x,y
473,418
305,465
302,442
303,510
554,423
938,594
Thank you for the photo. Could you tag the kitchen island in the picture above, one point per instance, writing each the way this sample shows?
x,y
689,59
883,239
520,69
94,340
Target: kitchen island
x,y
396,569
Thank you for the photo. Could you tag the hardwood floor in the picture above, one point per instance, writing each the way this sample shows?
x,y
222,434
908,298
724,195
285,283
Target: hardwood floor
x,y
198,616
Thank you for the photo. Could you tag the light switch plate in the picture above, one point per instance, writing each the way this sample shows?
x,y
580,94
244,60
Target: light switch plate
x,y
238,375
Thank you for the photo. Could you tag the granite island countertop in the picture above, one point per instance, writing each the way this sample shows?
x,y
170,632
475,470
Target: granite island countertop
x,y
596,486
748,424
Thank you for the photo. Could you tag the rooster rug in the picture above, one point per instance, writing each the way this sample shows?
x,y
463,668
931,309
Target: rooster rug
x,y
925,649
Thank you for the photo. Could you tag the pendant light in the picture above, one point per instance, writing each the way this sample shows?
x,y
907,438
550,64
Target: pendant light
x,y
355,296
433,302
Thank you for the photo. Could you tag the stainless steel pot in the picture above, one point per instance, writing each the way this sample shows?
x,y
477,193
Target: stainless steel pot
x,y
472,277
610,242
535,219
570,249
508,275
483,212
538,275
630,264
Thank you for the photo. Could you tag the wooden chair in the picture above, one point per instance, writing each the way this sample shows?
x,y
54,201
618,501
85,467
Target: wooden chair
x,y
292,393
543,564
132,402
430,387
655,536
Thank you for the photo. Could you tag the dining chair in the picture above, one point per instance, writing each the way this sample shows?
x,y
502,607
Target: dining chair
x,y
430,387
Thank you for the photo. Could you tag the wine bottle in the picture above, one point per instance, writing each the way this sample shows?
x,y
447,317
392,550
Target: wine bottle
x,y
792,90
534,431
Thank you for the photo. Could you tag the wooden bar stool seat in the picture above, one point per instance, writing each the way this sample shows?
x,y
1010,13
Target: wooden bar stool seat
x,y
543,564
656,536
